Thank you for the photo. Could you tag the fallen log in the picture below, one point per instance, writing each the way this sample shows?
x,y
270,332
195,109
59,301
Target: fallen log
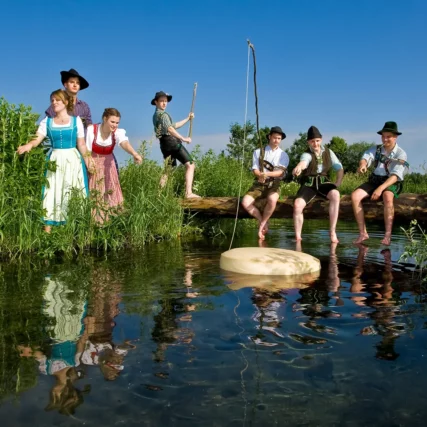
x,y
407,206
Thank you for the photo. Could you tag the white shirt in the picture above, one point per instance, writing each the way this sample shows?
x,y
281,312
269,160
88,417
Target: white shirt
x,y
276,157
42,130
120,135
394,168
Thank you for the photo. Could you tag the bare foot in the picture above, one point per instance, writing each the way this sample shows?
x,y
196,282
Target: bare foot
x,y
298,246
192,196
263,230
387,239
262,243
361,238
333,236
298,239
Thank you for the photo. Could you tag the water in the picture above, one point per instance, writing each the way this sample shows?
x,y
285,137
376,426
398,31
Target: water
x,y
164,337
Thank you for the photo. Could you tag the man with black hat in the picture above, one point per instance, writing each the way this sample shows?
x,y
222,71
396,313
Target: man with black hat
x,y
314,166
386,180
171,141
73,83
274,164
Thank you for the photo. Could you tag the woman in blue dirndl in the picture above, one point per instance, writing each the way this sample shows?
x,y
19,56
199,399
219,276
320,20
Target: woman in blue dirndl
x,y
66,133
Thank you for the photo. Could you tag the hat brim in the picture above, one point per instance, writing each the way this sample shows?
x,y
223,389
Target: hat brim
x,y
283,134
65,75
153,101
380,132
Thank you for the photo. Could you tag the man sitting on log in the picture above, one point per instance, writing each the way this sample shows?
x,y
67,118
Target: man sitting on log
x,y
315,165
269,168
386,181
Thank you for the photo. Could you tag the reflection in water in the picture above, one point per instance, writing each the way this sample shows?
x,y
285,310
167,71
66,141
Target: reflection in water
x,y
187,344
65,310
385,305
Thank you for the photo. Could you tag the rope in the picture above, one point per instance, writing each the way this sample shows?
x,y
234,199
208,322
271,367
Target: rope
x,y
243,151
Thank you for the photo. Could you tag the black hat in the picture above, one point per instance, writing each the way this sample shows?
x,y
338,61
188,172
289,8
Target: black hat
x,y
390,127
65,75
313,133
158,95
277,129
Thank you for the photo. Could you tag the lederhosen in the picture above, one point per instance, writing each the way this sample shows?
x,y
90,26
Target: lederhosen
x,y
271,184
374,181
172,148
314,183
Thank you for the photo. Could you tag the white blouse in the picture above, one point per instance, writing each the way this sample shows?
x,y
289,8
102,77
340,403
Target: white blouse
x,y
120,135
42,130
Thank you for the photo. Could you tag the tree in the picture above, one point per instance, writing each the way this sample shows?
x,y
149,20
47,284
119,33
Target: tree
x,y
351,157
295,151
239,146
338,146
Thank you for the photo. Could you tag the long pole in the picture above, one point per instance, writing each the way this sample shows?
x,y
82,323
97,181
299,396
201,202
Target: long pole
x,y
190,130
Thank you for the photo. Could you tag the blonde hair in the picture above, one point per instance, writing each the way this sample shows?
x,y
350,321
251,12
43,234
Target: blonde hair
x,y
65,98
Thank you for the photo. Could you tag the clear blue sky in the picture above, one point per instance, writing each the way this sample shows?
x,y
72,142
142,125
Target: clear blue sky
x,y
346,66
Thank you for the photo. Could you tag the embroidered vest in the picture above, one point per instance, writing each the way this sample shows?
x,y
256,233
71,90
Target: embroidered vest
x,y
62,137
312,167
101,149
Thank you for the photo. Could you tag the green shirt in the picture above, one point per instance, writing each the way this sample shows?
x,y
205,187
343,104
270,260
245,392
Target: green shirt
x,y
162,121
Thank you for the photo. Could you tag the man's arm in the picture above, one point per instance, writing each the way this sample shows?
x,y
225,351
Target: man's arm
x,y
174,133
183,122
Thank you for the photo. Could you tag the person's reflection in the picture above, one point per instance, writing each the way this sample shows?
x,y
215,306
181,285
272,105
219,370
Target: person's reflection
x,y
380,298
268,320
171,323
66,309
99,348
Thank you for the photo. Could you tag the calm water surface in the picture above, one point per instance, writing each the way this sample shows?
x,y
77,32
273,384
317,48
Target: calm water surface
x,y
164,337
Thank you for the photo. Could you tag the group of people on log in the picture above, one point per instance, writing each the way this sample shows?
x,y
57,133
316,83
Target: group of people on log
x,y
83,153
314,170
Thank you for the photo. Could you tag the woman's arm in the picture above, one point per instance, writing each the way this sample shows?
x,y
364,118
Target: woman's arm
x,y
129,149
33,143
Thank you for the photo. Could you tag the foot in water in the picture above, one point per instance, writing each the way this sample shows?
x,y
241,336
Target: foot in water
x,y
387,240
362,237
263,230
192,196
333,236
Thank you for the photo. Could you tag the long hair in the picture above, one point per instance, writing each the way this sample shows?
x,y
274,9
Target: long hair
x,y
65,98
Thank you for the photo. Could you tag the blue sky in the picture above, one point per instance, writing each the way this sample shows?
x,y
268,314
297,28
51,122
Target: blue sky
x,y
346,66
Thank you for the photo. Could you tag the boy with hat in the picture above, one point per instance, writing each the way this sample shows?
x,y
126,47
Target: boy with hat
x,y
390,167
171,141
267,179
73,83
315,165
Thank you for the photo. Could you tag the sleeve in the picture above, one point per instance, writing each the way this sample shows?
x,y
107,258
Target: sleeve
x,y
88,116
80,128
284,160
336,164
42,130
369,155
255,160
165,123
89,137
121,136
305,157
49,112
397,168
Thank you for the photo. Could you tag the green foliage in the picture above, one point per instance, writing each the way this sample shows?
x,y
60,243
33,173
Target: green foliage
x,y
298,147
416,247
338,146
244,140
351,157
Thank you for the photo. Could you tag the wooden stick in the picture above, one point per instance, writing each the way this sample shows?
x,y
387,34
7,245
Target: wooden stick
x,y
190,130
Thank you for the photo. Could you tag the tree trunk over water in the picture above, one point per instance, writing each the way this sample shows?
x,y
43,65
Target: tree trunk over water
x,y
407,206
